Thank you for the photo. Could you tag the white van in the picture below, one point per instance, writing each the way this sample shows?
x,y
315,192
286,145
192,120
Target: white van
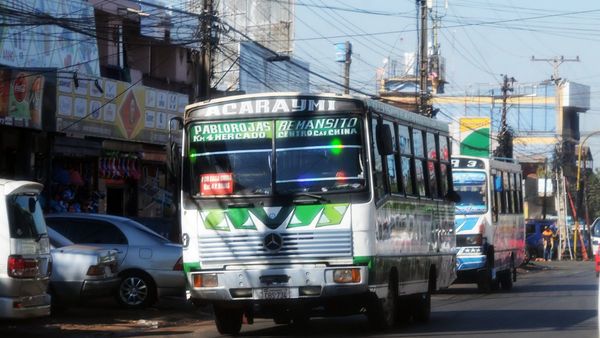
x,y
25,261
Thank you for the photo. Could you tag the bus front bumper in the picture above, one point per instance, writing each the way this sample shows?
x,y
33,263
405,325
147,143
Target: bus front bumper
x,y
471,262
277,284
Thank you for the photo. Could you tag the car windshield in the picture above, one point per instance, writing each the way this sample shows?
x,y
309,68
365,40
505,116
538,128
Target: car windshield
x,y
25,216
312,155
472,188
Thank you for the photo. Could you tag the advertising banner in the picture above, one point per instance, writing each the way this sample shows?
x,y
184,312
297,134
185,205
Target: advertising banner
x,y
21,95
113,109
26,41
475,136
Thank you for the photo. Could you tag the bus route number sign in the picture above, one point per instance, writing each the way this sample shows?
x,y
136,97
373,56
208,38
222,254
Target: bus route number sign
x,y
468,163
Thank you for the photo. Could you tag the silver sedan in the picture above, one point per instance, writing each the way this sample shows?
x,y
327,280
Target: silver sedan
x,y
80,272
150,266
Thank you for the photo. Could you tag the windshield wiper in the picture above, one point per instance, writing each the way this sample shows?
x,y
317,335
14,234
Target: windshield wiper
x,y
301,198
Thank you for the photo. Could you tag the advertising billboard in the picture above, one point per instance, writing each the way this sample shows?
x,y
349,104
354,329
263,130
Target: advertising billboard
x,y
475,136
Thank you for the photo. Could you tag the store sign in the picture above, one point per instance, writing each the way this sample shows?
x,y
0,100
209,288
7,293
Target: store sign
x,y
115,110
21,95
211,132
317,127
216,184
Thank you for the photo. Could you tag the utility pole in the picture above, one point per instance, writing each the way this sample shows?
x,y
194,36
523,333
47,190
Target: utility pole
x,y
203,88
423,106
436,67
544,202
562,149
505,148
556,62
347,62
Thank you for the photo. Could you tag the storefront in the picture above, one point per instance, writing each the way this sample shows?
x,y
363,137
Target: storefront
x,y
123,171
74,181
27,107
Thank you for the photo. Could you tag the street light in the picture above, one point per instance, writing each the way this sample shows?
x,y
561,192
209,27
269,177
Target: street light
x,y
578,186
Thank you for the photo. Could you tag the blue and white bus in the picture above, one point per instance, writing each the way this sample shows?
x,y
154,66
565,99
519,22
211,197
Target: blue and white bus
x,y
489,221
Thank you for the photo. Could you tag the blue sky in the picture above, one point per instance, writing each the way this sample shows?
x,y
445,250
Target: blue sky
x,y
480,39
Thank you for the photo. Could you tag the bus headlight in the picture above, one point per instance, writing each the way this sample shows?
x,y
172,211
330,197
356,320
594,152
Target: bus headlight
x,y
206,280
346,275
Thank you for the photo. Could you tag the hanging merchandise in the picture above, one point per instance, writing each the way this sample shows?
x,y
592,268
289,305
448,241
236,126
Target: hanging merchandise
x,y
119,166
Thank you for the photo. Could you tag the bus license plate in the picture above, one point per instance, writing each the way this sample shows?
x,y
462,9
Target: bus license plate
x,y
275,293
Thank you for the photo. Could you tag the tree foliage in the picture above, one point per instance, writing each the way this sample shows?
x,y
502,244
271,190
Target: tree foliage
x,y
592,191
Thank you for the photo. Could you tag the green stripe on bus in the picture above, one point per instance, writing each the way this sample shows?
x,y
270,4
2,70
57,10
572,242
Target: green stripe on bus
x,y
332,214
214,221
364,260
304,215
240,219
188,267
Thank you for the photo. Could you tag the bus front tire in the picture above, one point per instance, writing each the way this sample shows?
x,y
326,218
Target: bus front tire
x,y
228,320
383,313
485,282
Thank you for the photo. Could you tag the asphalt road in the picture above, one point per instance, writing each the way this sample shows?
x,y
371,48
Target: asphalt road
x,y
550,299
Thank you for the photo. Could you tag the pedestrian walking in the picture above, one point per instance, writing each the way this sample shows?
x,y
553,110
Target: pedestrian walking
x,y
548,241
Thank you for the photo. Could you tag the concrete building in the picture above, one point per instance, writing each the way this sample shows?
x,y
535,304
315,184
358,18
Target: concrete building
x,y
85,104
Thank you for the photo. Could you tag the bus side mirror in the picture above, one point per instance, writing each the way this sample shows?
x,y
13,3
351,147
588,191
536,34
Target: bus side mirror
x,y
173,148
452,196
385,141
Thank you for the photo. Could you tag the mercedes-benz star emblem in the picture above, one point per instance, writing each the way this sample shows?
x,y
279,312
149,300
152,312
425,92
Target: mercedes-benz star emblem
x,y
273,242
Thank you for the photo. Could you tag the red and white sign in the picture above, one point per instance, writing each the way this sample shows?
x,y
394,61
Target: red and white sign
x,y
216,184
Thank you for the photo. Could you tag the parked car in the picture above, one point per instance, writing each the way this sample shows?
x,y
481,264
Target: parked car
x,y
25,261
150,266
80,272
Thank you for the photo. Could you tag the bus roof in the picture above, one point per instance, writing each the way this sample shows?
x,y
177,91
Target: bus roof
x,y
221,108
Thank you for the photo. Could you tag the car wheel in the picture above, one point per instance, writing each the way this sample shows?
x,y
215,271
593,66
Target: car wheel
x,y
136,290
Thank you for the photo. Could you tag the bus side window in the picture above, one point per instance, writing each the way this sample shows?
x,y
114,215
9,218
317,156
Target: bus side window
x,y
509,193
444,152
378,182
432,165
520,192
419,151
496,196
392,170
515,178
506,193
405,160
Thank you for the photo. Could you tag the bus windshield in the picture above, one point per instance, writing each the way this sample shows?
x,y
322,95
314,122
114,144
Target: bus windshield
x,y
276,157
472,188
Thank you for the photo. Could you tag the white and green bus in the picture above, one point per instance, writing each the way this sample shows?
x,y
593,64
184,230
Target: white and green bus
x,y
298,205
490,228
